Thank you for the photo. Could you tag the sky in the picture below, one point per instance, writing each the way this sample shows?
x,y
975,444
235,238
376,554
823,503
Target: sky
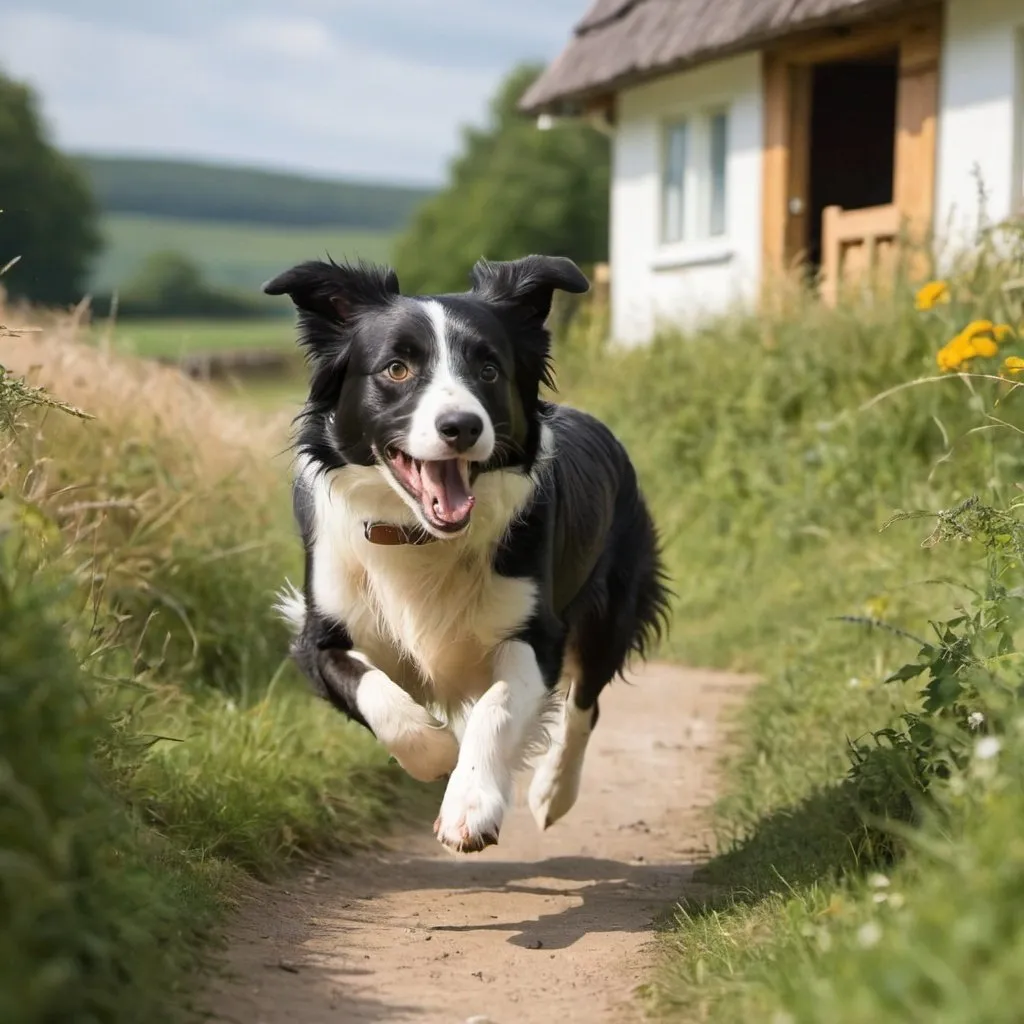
x,y
368,89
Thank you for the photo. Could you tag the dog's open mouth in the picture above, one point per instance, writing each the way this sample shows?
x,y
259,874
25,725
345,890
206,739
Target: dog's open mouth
x,y
440,486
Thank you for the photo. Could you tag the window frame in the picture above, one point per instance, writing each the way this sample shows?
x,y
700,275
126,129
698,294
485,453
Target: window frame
x,y
697,180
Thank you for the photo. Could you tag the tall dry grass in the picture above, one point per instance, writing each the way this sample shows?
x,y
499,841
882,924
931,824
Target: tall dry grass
x,y
155,742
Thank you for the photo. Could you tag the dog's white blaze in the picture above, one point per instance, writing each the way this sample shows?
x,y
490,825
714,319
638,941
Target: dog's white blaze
x,y
445,393
501,727
556,781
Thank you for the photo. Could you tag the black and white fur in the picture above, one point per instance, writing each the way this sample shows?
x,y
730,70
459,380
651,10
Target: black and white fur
x,y
467,656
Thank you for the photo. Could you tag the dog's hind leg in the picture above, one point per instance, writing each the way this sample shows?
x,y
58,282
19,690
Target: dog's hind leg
x,y
556,780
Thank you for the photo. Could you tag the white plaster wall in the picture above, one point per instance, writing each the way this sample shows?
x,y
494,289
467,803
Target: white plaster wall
x,y
683,284
979,115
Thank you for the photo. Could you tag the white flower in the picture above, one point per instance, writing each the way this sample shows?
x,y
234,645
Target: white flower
x,y
987,747
880,897
896,900
869,934
878,882
975,719
853,682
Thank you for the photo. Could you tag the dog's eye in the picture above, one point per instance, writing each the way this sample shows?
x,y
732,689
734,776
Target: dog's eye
x,y
397,371
489,374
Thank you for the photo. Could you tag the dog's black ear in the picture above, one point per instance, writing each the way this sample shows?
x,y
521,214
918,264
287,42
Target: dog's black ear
x,y
334,291
528,283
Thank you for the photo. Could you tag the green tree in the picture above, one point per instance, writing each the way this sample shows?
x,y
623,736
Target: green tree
x,y
513,190
49,218
169,284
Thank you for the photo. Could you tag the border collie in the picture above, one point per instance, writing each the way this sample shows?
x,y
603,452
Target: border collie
x,y
479,562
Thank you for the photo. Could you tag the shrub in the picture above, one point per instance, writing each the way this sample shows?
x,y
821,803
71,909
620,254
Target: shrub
x,y
169,284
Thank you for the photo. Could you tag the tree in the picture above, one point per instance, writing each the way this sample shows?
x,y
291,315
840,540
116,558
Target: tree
x,y
48,215
513,190
169,284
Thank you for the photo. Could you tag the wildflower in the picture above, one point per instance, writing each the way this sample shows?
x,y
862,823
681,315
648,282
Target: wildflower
x,y
880,897
1013,365
896,900
976,327
869,934
987,747
1000,331
975,720
931,294
879,881
976,341
955,353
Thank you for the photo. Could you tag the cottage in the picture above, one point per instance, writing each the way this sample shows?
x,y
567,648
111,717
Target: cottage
x,y
753,134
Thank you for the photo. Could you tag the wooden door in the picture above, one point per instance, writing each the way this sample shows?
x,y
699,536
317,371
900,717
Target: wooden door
x,y
787,116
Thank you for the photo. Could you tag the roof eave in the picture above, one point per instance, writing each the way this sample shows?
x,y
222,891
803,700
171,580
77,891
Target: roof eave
x,y
540,100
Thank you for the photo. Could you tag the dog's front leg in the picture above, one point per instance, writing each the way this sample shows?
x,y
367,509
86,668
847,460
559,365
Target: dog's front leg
x,y
500,725
424,747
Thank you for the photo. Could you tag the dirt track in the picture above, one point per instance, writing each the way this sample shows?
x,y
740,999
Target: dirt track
x,y
541,928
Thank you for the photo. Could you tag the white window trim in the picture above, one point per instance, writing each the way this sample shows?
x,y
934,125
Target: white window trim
x,y
702,249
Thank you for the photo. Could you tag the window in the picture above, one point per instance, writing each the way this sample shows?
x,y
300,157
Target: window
x,y
694,178
674,196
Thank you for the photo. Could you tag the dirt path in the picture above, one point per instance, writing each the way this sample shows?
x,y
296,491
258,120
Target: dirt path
x,y
552,927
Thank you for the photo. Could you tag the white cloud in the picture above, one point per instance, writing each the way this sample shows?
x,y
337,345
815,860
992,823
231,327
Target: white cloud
x,y
330,88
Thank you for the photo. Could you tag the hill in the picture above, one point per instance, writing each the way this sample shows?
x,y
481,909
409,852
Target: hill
x,y
235,255
199,191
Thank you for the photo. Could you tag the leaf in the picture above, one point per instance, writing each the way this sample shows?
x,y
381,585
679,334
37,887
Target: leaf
x,y
901,675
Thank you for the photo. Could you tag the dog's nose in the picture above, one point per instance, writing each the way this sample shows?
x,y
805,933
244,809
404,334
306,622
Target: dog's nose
x,y
460,429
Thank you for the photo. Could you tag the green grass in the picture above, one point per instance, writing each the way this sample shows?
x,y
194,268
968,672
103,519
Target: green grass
x,y
151,338
232,255
771,472
155,745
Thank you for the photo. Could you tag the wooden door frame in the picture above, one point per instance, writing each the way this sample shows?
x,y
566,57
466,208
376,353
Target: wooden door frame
x,y
787,109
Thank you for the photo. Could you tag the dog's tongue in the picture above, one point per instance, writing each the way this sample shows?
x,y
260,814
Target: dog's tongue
x,y
446,490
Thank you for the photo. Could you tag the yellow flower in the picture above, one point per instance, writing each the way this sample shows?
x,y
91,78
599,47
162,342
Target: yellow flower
x,y
931,294
1013,365
985,348
976,327
954,354
978,340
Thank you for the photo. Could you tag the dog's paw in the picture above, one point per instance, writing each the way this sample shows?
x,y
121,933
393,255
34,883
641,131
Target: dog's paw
x,y
426,752
554,788
471,813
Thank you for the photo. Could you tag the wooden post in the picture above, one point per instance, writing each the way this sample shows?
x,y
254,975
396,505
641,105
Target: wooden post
x,y
917,102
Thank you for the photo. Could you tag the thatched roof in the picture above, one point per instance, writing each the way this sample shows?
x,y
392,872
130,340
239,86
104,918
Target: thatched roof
x,y
620,42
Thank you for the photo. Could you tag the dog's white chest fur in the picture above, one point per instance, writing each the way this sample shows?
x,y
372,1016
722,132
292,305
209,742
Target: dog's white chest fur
x,y
430,616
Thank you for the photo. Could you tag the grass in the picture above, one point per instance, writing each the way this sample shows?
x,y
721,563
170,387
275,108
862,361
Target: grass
x,y
155,746
236,256
171,338
771,470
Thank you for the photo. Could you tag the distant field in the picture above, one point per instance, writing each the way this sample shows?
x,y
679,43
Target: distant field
x,y
232,255
176,337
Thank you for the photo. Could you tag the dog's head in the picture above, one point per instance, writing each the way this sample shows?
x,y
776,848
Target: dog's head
x,y
433,390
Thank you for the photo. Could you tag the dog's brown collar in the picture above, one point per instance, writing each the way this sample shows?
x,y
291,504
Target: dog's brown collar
x,y
391,534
